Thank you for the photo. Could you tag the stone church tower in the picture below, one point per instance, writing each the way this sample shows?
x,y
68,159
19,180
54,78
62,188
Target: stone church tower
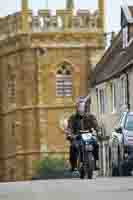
x,y
45,63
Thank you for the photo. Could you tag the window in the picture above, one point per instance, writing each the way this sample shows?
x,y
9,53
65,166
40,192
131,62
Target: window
x,y
121,122
125,36
114,98
119,94
123,90
129,123
64,81
97,98
102,101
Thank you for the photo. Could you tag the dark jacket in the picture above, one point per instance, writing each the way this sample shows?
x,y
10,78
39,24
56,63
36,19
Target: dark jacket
x,y
77,122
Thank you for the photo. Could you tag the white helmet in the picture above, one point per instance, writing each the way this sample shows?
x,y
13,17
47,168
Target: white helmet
x,y
80,103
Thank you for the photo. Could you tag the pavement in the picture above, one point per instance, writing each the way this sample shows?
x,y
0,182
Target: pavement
x,y
69,189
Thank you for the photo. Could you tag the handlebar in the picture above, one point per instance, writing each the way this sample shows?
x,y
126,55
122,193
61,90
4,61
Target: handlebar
x,y
84,131
72,136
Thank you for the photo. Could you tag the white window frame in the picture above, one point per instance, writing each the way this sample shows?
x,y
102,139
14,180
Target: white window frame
x,y
113,96
123,90
125,36
102,102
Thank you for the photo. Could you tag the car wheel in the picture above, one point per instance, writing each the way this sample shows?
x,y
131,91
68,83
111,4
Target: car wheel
x,y
115,170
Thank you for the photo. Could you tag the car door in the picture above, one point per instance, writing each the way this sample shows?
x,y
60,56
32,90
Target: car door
x,y
121,134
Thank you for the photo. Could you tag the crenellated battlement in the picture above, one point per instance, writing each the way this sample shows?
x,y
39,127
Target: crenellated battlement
x,y
45,21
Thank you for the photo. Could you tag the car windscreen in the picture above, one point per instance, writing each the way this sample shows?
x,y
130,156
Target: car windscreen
x,y
129,123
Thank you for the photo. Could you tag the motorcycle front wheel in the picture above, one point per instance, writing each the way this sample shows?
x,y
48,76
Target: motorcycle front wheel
x,y
90,168
90,174
82,173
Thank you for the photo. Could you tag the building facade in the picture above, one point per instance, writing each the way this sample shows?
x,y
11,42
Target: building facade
x,y
45,63
112,82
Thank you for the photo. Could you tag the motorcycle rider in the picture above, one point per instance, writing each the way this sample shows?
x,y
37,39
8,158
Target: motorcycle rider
x,y
80,120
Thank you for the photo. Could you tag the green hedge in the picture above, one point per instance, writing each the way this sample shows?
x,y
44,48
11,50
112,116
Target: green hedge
x,y
51,168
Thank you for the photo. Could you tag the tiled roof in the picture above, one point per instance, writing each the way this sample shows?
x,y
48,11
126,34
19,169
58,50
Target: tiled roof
x,y
113,62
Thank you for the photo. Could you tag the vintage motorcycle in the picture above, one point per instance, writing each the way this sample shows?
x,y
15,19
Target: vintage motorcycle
x,y
85,159
86,156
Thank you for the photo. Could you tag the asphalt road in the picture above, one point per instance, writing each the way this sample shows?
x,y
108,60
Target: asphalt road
x,y
75,189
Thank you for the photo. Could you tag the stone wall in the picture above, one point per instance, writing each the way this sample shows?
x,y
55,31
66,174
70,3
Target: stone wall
x,y
31,114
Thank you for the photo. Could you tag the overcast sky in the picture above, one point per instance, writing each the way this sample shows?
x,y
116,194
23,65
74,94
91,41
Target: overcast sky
x,y
112,8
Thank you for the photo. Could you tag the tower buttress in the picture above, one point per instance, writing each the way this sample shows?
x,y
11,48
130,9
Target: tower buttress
x,y
24,9
24,5
101,5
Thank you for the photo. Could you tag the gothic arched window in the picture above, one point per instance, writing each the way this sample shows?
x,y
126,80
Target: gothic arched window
x,y
64,80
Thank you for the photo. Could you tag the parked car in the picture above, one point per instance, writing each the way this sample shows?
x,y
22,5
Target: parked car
x,y
126,166
121,143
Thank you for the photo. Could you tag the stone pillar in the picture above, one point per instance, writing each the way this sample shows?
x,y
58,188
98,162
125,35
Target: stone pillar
x,y
76,90
24,4
25,14
101,14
